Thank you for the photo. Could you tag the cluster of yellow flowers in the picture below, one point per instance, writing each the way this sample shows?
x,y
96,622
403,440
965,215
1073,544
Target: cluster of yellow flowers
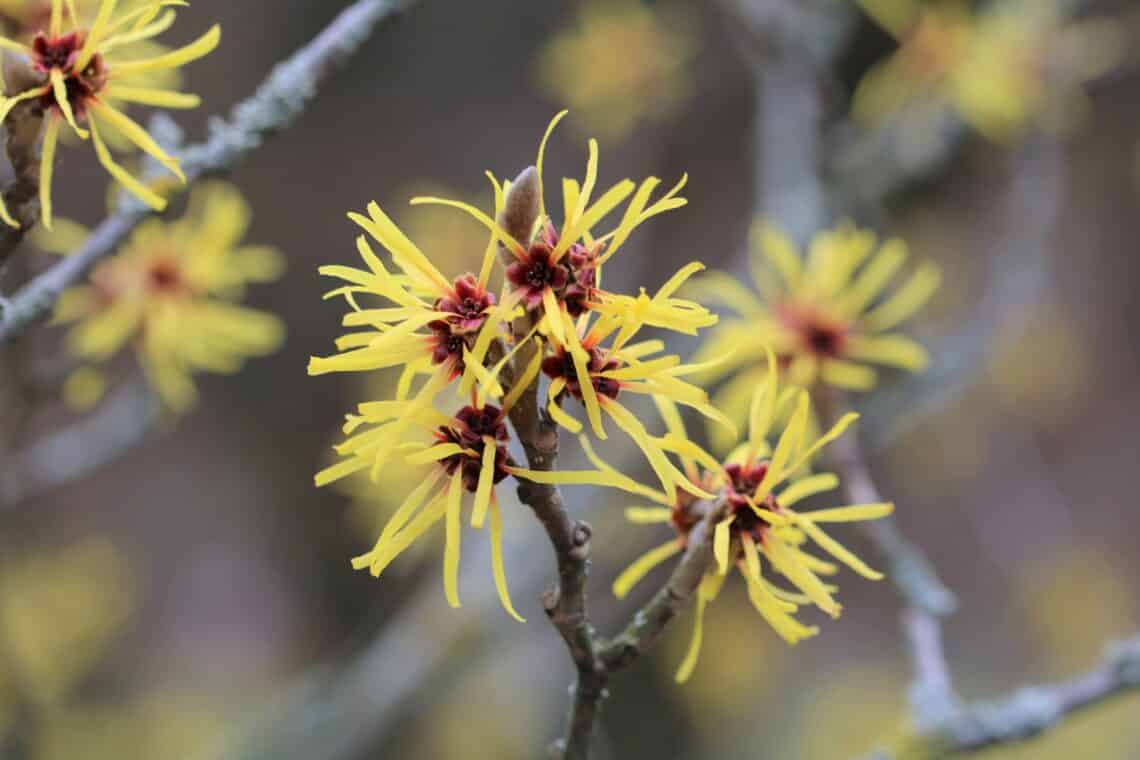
x,y
554,318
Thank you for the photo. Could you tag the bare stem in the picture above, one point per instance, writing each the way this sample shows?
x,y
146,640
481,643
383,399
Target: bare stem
x,y
595,658
82,448
649,622
284,95
22,128
1029,711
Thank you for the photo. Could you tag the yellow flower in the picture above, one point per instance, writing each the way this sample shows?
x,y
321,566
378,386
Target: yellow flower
x,y
426,324
173,291
59,613
468,454
84,72
615,364
826,317
759,487
158,722
997,68
557,274
621,63
24,19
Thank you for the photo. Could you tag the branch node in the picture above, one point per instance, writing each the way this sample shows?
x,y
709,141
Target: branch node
x,y
580,539
550,599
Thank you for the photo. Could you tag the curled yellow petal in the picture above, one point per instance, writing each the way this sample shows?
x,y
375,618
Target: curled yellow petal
x,y
486,482
451,541
648,515
721,541
495,528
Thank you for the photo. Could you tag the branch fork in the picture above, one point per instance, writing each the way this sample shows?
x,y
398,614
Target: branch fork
x,y
595,657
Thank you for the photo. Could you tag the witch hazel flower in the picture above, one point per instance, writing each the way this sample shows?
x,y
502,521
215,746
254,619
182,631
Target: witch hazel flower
x,y
82,73
555,274
426,323
469,456
756,490
832,316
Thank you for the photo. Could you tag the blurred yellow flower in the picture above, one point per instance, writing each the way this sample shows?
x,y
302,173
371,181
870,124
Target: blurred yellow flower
x,y
1070,623
850,713
58,614
153,725
173,291
24,19
621,63
1026,386
826,317
508,725
84,81
998,68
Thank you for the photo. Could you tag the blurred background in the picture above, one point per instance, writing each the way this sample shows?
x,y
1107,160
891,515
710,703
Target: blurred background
x,y
193,598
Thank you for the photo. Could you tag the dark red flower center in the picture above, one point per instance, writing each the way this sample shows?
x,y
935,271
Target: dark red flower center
x,y
535,272
743,481
582,264
824,340
819,335
466,307
561,364
573,278
165,276
62,53
470,428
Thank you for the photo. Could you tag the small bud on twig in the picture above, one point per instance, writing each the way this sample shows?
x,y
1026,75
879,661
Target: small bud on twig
x,y
522,206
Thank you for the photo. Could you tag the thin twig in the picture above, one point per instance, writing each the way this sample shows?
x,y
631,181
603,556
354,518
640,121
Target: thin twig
x,y
22,129
565,601
76,451
595,658
649,622
927,599
290,87
1029,711
1016,275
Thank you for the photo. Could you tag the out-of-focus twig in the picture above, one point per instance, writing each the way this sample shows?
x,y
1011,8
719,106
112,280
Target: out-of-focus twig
x,y
80,449
1030,711
22,129
788,46
274,106
932,694
1016,274
335,711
